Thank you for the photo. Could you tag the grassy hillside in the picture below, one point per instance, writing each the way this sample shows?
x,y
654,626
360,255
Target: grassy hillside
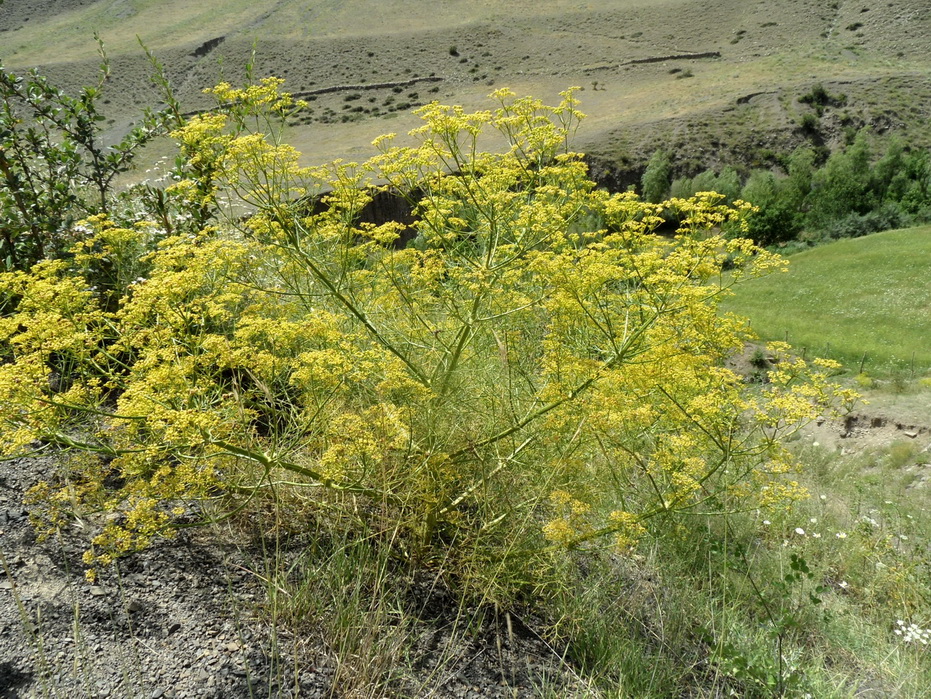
x,y
738,101
867,296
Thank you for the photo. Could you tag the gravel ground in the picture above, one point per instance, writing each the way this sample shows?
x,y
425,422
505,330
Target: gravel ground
x,y
178,621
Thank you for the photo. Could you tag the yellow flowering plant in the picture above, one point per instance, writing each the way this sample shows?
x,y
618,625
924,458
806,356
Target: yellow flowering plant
x,y
537,364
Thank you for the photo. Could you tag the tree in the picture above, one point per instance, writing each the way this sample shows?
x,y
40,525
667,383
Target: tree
x,y
656,178
842,186
801,169
777,219
884,171
726,183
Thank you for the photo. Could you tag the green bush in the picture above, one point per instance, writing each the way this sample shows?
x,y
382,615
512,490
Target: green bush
x,y
55,167
842,186
657,178
886,217
777,219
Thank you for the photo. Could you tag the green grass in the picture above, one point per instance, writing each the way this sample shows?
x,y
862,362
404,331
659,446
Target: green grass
x,y
867,296
701,613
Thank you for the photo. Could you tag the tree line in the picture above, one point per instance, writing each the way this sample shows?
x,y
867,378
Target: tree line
x,y
861,188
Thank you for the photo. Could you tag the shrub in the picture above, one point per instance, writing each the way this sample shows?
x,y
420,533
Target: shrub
x,y
817,97
54,165
537,371
809,123
657,177
854,225
776,220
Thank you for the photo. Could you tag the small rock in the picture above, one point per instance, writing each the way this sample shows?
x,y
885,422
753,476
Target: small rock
x,y
910,433
6,585
134,606
232,647
97,591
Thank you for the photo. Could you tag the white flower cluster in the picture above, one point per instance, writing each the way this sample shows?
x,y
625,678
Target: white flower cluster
x,y
911,633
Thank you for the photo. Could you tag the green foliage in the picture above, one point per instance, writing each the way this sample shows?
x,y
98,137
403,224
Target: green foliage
x,y
657,178
801,168
809,123
758,360
910,186
819,98
853,225
54,166
841,187
850,195
725,183
777,219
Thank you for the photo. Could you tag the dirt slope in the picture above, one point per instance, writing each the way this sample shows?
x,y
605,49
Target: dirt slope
x,y
642,89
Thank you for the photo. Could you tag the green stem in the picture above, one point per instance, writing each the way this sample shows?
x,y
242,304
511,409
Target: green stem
x,y
623,353
358,313
270,462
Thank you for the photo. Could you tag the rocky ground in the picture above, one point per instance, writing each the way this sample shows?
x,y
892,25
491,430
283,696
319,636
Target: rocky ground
x,y
171,622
